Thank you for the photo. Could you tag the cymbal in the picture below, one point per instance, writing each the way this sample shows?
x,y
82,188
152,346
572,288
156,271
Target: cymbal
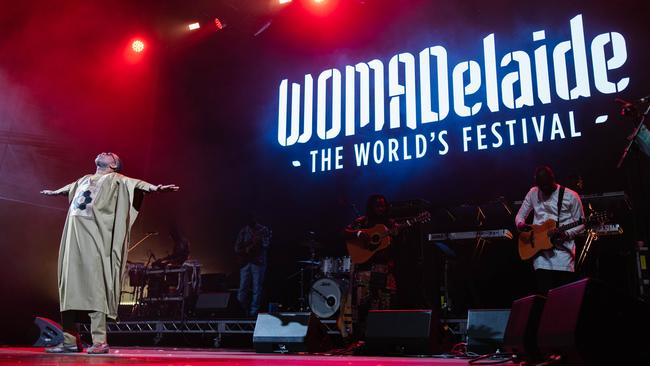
x,y
311,244
310,262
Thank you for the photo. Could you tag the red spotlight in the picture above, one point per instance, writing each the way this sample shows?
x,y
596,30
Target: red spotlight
x,y
321,7
137,45
134,50
218,24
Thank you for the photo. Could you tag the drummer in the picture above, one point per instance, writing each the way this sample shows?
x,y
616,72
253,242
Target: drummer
x,y
180,252
373,282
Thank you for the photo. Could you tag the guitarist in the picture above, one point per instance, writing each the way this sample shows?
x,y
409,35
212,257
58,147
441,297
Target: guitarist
x,y
251,246
553,267
373,282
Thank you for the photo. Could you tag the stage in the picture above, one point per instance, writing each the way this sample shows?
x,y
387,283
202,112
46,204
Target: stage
x,y
199,182
188,357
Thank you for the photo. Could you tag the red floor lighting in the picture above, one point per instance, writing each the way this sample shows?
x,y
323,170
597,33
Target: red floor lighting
x,y
202,357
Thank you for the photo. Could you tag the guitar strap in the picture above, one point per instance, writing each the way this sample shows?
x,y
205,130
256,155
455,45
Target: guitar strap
x,y
560,198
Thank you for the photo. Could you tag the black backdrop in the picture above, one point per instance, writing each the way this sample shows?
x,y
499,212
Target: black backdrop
x,y
200,110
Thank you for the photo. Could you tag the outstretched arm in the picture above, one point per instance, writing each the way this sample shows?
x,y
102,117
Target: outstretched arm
x,y
148,187
166,188
59,192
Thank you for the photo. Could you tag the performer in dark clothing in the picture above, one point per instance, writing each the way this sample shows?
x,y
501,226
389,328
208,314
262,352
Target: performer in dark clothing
x,y
180,252
251,247
637,172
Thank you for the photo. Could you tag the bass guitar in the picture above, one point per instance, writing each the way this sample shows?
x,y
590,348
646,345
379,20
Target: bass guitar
x,y
545,236
379,237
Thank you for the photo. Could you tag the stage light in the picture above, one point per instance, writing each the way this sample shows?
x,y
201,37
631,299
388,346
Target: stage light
x,y
318,1
194,26
284,1
218,24
137,46
135,49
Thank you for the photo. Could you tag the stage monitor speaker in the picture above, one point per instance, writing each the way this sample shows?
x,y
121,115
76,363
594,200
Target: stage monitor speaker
x,y
213,282
485,329
415,332
290,332
214,303
521,332
586,322
50,332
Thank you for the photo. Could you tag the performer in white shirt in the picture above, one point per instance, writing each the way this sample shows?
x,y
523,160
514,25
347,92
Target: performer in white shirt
x,y
553,267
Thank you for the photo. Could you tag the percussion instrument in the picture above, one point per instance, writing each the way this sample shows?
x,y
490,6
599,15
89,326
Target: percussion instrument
x,y
325,296
335,266
137,274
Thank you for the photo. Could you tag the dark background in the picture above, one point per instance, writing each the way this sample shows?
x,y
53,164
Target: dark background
x,y
199,109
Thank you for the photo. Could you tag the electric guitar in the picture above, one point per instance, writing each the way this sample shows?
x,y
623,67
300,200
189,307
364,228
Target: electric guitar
x,y
541,238
361,251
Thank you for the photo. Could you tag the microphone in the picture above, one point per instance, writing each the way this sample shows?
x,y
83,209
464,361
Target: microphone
x,y
152,233
505,205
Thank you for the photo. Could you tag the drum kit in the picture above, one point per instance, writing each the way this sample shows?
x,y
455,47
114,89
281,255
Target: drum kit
x,y
328,279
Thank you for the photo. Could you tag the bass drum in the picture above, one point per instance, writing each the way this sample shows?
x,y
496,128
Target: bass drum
x,y
325,296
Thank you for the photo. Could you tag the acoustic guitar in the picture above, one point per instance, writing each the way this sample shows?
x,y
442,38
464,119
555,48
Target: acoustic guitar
x,y
540,238
361,251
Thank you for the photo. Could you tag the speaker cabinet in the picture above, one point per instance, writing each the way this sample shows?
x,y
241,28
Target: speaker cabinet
x,y
289,332
50,332
587,323
216,303
521,332
485,329
403,332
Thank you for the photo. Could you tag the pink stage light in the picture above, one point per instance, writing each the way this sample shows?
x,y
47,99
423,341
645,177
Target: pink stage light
x,y
137,46
194,26
218,24
284,1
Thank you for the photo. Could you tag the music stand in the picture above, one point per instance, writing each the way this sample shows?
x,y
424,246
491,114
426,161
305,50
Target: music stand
x,y
448,254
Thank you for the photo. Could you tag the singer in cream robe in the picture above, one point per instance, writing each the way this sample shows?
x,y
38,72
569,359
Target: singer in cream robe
x,y
94,247
94,244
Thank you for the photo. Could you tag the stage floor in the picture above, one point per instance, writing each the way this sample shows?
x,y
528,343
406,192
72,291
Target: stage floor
x,y
203,357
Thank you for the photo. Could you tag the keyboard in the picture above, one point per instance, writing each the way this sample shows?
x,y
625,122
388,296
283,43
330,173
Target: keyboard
x,y
608,229
466,235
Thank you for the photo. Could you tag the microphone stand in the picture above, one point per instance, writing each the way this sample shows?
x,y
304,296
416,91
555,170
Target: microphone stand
x,y
141,240
633,137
